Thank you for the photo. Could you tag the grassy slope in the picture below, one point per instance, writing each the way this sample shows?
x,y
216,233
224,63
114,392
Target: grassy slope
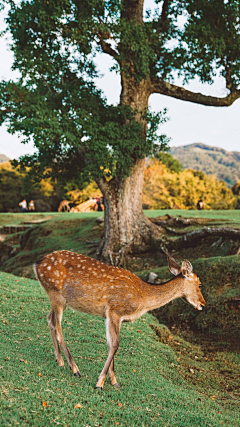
x,y
74,231
155,391
18,218
220,277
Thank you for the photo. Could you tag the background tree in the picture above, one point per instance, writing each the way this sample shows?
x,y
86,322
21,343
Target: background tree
x,y
166,189
16,185
56,103
171,163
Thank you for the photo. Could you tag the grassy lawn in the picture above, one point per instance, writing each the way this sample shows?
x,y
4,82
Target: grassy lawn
x,y
18,218
162,385
228,215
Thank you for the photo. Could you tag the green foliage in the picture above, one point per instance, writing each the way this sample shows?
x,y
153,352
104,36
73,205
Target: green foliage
x,y
215,24
55,101
215,161
171,163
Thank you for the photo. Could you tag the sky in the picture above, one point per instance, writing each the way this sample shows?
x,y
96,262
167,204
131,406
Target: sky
x,y
188,123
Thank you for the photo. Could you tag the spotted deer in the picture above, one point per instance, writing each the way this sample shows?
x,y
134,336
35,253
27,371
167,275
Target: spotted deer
x,y
116,294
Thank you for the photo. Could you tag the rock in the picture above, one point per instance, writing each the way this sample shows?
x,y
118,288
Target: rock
x,y
152,277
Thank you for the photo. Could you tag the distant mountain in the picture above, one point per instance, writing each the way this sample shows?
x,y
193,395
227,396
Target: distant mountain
x,y
3,158
224,165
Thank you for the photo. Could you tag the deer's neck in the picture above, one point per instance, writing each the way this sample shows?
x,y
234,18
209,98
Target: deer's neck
x,y
159,295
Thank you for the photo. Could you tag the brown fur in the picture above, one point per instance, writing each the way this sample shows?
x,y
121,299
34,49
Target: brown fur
x,y
116,294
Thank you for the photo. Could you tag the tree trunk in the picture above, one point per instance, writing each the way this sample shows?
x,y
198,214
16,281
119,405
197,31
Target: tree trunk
x,y
126,228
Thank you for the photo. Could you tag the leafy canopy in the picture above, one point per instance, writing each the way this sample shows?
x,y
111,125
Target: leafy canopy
x,y
56,103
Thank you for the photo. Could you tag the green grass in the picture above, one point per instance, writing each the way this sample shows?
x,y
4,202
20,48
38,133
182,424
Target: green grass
x,y
64,231
155,388
18,218
228,215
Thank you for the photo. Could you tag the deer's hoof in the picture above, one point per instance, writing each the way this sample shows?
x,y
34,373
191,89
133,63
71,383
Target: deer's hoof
x,y
98,388
77,374
116,385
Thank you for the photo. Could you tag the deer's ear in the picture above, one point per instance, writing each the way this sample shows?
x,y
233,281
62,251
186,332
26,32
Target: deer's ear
x,y
186,268
173,266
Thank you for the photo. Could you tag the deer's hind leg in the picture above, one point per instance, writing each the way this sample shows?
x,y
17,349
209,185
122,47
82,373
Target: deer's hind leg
x,y
55,319
52,326
113,324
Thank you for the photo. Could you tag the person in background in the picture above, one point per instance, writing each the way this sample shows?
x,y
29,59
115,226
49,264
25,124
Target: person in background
x,y
23,205
200,204
99,207
31,206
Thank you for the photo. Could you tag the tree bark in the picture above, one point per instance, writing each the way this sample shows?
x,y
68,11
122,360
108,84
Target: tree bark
x,y
126,228
178,92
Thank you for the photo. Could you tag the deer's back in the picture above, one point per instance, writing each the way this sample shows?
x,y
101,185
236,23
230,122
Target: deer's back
x,y
89,285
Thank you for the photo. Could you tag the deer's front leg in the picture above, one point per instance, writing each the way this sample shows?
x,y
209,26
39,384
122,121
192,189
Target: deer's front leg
x,y
113,324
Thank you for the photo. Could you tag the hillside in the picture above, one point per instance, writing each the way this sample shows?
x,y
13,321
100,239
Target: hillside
x,y
225,165
3,158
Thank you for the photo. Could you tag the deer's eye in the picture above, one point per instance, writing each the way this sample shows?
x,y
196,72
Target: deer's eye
x,y
200,285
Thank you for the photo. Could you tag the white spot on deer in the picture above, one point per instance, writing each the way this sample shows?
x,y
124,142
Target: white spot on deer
x,y
49,267
56,273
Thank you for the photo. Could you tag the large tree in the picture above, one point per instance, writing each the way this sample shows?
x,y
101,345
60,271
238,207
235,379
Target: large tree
x,y
56,103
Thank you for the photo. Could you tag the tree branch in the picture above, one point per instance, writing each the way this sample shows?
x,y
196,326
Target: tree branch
x,y
178,92
106,48
163,16
46,83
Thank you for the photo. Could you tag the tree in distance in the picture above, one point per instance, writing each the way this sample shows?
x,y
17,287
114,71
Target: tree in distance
x,y
171,163
76,133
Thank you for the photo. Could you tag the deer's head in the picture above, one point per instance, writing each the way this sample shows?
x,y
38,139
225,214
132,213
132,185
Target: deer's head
x,y
189,281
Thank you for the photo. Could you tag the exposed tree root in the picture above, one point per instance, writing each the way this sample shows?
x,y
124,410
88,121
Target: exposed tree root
x,y
193,238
